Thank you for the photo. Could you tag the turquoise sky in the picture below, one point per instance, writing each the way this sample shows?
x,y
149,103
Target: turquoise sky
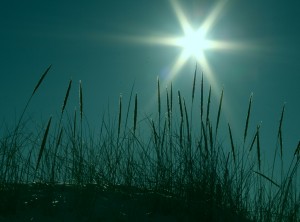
x,y
90,41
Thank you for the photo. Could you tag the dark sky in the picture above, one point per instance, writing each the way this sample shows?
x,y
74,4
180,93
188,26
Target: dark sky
x,y
91,41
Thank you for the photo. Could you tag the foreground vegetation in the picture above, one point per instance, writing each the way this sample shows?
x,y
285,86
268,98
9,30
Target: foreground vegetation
x,y
175,161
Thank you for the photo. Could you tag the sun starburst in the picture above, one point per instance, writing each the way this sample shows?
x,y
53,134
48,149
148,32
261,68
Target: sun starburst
x,y
193,42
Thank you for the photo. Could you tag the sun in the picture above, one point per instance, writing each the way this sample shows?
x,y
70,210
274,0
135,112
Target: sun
x,y
194,43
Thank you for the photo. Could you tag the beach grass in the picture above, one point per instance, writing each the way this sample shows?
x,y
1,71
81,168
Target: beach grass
x,y
176,162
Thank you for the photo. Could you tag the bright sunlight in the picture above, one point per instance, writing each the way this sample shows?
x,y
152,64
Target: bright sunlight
x,y
194,43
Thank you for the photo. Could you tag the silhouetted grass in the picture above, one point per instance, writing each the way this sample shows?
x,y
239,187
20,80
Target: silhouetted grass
x,y
176,162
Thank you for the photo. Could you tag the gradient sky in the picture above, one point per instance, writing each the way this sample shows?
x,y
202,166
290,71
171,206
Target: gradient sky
x,y
96,42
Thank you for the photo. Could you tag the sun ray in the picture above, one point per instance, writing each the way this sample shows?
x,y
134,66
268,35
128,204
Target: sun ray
x,y
212,17
185,25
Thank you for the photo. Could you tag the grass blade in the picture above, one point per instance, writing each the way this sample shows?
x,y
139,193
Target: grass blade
x,y
205,138
66,97
201,107
279,135
128,107
120,115
59,137
187,120
258,148
194,83
248,117
74,126
41,80
168,110
135,114
219,111
253,141
171,98
155,134
267,178
43,144
80,100
297,151
180,105
163,135
158,98
208,105
232,145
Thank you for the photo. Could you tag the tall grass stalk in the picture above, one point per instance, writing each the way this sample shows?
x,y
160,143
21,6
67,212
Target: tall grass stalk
x,y
120,116
43,145
135,114
60,130
219,114
248,118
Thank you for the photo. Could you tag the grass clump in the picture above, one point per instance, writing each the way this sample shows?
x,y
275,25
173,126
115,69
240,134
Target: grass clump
x,y
176,162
